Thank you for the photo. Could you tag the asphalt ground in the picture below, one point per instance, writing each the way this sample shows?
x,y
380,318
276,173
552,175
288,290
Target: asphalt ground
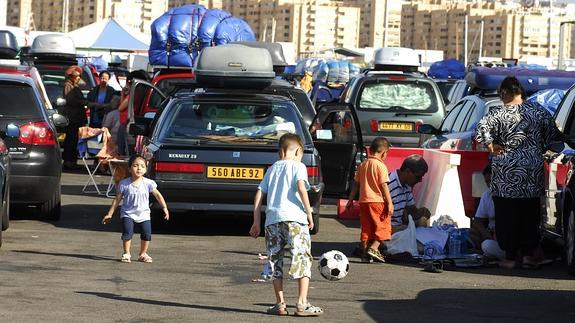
x,y
205,266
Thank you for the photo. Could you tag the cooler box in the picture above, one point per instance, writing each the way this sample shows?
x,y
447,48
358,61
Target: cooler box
x,y
342,213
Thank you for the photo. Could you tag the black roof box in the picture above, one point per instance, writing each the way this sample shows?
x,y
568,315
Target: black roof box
x,y
234,66
275,49
8,45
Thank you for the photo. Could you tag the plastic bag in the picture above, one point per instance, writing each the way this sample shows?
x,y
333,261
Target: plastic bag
x,y
404,241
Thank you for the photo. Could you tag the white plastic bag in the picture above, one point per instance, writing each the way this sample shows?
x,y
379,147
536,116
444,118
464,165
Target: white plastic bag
x,y
404,241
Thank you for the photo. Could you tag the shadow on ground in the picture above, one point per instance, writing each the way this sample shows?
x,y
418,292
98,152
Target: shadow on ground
x,y
476,305
117,297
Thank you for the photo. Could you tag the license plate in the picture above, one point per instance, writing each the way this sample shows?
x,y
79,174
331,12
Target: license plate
x,y
396,126
235,172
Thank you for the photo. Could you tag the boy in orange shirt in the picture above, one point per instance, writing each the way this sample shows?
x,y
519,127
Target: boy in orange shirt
x,y
375,204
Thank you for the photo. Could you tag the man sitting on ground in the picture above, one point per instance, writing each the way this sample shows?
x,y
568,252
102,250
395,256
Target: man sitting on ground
x,y
401,183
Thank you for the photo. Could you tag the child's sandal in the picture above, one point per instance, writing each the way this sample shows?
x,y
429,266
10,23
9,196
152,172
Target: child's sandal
x,y
278,309
126,258
145,258
308,310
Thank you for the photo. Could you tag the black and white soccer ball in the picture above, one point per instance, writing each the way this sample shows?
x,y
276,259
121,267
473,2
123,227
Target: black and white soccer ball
x,y
333,265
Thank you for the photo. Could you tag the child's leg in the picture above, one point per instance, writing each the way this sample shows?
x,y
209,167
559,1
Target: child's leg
x,y
366,226
127,233
145,236
303,287
275,243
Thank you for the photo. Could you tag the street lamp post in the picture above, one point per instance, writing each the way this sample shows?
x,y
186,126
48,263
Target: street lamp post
x,y
561,40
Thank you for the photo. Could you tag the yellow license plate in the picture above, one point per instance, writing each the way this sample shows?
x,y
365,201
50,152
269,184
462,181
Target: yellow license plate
x,y
397,126
235,172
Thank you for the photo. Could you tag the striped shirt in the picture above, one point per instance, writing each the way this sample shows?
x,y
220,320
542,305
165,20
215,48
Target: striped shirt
x,y
401,195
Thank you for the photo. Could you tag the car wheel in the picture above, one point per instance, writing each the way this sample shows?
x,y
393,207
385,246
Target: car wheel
x,y
315,229
570,242
6,211
1,235
52,210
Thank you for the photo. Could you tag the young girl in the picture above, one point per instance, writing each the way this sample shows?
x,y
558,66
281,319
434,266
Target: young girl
x,y
135,190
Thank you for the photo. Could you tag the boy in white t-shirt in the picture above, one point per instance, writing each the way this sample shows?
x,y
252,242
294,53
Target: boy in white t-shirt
x,y
288,221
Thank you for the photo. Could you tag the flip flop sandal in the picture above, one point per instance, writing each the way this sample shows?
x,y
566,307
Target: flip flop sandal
x,y
145,258
308,310
278,309
126,258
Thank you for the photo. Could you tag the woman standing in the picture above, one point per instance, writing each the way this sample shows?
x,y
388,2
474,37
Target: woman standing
x,y
517,134
76,113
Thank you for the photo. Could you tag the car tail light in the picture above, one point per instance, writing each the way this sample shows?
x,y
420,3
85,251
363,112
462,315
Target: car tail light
x,y
179,167
3,148
396,77
374,125
37,133
313,175
417,125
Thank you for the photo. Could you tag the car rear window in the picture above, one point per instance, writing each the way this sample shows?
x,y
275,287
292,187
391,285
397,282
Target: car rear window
x,y
18,99
231,123
412,95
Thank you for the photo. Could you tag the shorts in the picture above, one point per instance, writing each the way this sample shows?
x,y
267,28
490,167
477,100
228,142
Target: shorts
x,y
375,223
128,229
295,237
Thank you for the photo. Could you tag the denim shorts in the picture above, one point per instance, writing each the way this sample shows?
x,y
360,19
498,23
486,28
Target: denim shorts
x,y
294,237
128,229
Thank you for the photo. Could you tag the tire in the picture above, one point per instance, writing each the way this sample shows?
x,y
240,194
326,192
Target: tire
x,y
570,242
315,217
52,210
1,236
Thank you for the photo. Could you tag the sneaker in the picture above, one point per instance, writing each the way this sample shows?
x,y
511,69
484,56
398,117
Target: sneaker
x,y
375,254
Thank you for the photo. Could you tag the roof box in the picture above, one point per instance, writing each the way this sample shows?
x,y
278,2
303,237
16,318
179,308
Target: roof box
x,y
8,45
532,80
53,45
275,49
396,59
234,66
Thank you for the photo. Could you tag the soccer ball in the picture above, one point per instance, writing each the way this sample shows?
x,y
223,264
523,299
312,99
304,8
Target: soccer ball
x,y
333,265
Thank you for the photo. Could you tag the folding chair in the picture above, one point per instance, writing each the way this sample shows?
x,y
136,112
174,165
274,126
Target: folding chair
x,y
88,148
119,170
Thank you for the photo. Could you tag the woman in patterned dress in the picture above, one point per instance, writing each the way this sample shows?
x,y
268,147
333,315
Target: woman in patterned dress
x,y
517,134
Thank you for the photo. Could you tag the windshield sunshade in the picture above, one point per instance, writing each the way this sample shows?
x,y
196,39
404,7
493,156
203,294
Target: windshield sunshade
x,y
398,96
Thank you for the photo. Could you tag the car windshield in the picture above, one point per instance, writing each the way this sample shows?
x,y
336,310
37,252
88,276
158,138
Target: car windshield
x,y
231,123
397,96
18,99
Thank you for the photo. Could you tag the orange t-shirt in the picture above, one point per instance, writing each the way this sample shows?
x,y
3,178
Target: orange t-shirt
x,y
371,174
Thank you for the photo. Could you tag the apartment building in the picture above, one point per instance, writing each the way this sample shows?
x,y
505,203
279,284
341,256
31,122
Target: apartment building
x,y
67,15
18,13
494,29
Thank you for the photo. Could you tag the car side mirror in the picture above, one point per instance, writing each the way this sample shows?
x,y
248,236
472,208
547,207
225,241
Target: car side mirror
x,y
138,129
59,120
428,129
60,102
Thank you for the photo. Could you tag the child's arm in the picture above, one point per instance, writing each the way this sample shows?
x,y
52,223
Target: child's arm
x,y
302,190
387,198
115,204
352,195
162,202
255,229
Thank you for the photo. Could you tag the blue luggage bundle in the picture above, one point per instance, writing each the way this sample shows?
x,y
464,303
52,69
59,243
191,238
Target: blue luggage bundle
x,y
548,99
532,80
447,69
181,33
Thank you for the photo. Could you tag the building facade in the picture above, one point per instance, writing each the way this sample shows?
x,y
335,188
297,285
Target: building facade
x,y
67,15
494,29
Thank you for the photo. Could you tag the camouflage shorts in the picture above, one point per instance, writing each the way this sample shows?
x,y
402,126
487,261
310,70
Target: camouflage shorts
x,y
294,237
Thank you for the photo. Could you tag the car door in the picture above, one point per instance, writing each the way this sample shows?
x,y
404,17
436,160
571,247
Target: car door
x,y
337,137
139,91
